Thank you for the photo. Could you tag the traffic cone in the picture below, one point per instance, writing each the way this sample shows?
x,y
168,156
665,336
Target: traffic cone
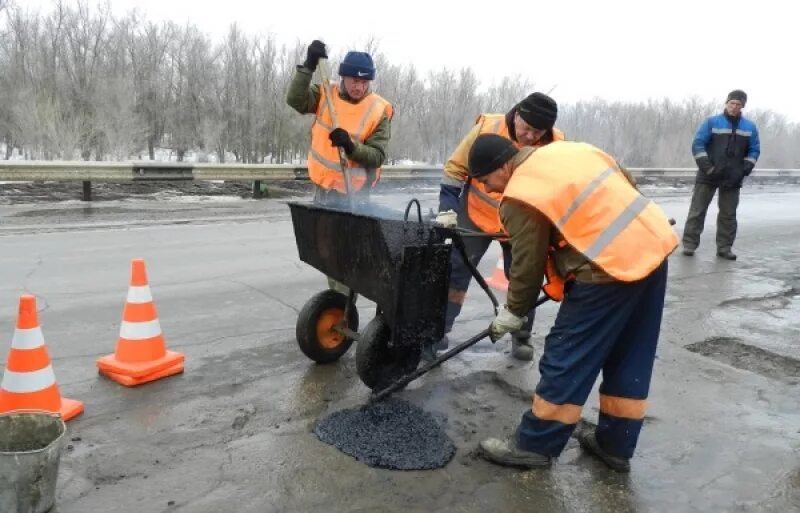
x,y
498,278
141,355
29,382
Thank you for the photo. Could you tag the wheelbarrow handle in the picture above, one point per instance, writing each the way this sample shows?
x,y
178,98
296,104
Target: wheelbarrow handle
x,y
465,232
458,242
408,378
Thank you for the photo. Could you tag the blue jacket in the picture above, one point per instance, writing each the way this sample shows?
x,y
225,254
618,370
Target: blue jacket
x,y
725,154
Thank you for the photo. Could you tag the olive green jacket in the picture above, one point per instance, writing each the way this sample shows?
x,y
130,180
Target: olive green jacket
x,y
303,96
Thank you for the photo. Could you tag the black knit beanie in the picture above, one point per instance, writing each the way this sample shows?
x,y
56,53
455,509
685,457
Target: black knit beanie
x,y
488,153
737,94
539,111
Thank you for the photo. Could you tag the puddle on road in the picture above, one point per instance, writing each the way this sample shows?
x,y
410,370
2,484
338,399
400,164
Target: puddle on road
x,y
85,211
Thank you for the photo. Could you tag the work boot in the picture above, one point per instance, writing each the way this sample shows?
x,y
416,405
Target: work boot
x,y
509,454
429,352
688,251
727,254
521,347
442,344
588,442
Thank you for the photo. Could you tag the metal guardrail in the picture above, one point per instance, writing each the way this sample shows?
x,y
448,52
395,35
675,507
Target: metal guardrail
x,y
33,170
136,171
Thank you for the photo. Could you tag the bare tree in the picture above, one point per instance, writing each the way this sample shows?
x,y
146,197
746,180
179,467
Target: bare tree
x,y
79,81
147,46
85,37
122,128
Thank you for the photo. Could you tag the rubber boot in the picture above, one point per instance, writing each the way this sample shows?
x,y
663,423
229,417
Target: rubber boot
x,y
588,442
509,454
521,346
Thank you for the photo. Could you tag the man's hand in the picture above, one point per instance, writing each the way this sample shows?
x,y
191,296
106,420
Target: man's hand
x,y
505,322
748,167
704,164
447,219
340,137
316,51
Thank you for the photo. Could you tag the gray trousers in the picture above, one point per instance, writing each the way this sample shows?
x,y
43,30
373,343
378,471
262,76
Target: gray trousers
x,y
728,201
335,199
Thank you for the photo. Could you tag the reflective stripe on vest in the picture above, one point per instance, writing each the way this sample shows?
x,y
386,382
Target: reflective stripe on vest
x,y
354,171
360,120
358,133
588,199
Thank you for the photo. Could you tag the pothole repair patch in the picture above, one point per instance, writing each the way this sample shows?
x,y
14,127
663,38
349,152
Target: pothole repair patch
x,y
392,434
731,351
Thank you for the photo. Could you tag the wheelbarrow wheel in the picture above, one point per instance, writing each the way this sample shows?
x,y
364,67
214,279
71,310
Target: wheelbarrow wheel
x,y
377,364
315,334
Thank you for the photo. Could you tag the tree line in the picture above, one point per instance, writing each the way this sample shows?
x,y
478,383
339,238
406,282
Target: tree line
x,y
77,82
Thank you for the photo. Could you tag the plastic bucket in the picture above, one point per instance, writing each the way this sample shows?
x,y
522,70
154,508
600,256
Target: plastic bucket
x,y
30,451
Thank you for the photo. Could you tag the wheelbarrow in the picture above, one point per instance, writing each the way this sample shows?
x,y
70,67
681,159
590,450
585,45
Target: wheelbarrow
x,y
402,265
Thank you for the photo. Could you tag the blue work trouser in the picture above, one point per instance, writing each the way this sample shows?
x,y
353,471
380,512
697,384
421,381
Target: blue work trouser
x,y
460,275
612,328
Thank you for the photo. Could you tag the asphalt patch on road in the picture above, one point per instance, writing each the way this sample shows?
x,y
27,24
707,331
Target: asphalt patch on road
x,y
731,351
392,434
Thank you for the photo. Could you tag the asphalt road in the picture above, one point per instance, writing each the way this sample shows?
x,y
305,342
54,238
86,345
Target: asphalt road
x,y
233,433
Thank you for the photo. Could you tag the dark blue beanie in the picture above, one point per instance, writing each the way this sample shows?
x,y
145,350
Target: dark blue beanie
x,y
358,65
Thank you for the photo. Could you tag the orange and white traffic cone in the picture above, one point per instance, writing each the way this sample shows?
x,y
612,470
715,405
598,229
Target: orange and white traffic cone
x,y
498,278
29,382
141,355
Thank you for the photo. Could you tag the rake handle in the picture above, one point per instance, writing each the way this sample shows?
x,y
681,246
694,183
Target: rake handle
x,y
326,84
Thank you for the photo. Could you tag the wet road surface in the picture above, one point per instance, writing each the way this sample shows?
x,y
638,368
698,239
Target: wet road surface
x,y
234,432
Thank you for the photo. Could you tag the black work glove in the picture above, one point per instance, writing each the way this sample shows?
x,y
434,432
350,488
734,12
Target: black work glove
x,y
704,164
316,51
748,167
340,137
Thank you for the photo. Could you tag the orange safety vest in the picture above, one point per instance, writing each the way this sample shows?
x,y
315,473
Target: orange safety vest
x,y
360,120
482,205
582,191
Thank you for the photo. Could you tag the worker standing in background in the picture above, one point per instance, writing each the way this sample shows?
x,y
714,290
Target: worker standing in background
x,y
726,148
466,203
572,214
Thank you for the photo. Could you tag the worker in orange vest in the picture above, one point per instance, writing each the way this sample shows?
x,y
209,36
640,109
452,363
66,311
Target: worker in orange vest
x,y
571,203
465,202
364,125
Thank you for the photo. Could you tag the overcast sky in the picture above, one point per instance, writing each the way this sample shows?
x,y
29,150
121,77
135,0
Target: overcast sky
x,y
614,49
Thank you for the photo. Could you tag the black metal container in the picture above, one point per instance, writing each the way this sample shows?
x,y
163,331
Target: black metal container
x,y
402,265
